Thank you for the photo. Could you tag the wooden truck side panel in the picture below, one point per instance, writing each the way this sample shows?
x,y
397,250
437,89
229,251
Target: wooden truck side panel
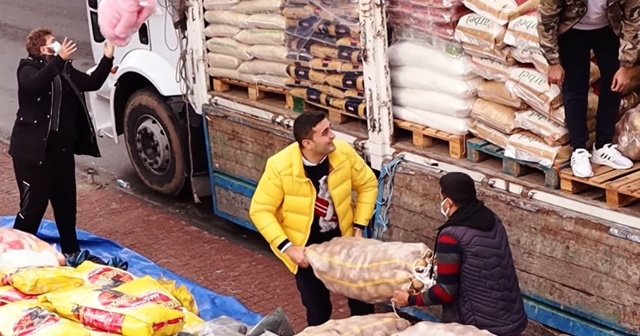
x,y
575,275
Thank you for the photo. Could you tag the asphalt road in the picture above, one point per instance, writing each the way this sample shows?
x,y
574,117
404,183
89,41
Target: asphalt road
x,y
66,19
17,18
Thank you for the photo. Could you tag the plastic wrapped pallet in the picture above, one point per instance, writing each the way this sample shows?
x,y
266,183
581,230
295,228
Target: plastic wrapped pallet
x,y
368,325
324,54
426,328
628,134
247,36
435,18
369,270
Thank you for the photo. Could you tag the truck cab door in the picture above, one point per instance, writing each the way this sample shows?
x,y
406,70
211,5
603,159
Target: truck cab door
x,y
100,103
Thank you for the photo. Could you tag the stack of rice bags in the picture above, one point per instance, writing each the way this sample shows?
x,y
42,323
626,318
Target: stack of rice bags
x,y
431,78
325,54
246,41
517,109
431,18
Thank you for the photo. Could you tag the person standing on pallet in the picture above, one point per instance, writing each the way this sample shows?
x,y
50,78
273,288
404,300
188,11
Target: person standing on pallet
x,y
304,197
52,124
476,281
568,31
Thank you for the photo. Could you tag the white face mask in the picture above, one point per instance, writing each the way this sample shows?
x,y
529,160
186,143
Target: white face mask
x,y
445,213
55,46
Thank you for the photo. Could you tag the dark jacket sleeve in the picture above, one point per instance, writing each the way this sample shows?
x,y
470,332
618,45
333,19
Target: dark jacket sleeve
x,y
30,78
92,82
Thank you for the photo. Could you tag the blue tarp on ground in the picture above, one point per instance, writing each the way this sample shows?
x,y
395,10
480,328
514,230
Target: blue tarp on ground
x,y
210,304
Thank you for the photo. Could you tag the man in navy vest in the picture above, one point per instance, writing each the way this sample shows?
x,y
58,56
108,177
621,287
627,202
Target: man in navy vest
x,y
476,281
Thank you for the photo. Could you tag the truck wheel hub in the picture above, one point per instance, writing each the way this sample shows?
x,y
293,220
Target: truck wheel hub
x,y
152,144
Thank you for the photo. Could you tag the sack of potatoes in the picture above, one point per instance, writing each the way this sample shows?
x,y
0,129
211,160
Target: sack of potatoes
x,y
370,270
368,325
442,329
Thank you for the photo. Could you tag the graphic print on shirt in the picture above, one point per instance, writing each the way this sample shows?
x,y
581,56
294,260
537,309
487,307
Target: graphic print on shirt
x,y
324,208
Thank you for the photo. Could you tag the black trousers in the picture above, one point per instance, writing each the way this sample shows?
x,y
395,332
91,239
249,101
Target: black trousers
x,y
54,180
317,301
575,48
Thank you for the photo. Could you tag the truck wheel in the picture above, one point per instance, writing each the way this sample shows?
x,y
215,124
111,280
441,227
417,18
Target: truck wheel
x,y
153,142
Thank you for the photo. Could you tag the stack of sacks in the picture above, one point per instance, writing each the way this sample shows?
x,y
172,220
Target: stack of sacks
x,y
436,18
431,88
324,54
246,40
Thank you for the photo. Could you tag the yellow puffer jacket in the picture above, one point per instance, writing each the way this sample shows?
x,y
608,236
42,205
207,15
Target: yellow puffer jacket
x,y
283,204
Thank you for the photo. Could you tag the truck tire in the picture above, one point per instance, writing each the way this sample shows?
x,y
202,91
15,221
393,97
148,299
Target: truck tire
x,y
152,137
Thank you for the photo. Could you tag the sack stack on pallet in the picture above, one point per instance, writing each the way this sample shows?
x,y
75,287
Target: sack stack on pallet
x,y
246,41
517,109
431,79
325,54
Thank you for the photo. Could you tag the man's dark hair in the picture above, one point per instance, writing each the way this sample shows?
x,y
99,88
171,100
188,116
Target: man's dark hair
x,y
459,188
36,39
304,124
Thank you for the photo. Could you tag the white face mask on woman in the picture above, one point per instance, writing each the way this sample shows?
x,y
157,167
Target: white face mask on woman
x,y
444,212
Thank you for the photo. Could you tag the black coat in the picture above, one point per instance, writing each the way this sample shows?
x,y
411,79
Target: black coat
x,y
40,94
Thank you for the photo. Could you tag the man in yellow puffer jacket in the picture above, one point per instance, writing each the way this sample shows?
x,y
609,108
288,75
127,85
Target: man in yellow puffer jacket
x,y
304,197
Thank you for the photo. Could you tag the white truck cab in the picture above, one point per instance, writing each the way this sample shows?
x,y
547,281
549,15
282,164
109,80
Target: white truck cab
x,y
143,100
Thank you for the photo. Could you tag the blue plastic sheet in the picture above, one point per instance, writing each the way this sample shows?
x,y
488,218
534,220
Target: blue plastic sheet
x,y
210,304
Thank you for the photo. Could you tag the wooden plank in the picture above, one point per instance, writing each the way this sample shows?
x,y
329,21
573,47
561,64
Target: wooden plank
x,y
480,150
616,184
424,137
254,91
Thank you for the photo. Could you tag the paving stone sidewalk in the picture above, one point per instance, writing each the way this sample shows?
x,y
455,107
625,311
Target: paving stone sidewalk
x,y
256,279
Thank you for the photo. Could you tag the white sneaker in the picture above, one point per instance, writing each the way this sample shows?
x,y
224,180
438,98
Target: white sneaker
x,y
610,156
580,163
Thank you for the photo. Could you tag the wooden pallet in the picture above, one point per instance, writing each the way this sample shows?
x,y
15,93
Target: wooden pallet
x,y
621,186
479,150
336,116
424,137
254,91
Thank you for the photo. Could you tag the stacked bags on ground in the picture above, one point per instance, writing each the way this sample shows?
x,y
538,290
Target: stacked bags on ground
x,y
246,41
325,54
42,297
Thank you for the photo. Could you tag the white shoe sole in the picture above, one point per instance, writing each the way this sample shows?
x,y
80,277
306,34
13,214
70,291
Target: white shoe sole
x,y
597,160
581,176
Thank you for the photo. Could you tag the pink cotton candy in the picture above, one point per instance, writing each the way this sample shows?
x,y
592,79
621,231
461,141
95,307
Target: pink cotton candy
x,y
120,19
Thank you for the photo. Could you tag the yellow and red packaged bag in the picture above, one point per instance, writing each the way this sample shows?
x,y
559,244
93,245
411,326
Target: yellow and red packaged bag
x,y
29,318
42,280
165,292
9,294
102,275
116,311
